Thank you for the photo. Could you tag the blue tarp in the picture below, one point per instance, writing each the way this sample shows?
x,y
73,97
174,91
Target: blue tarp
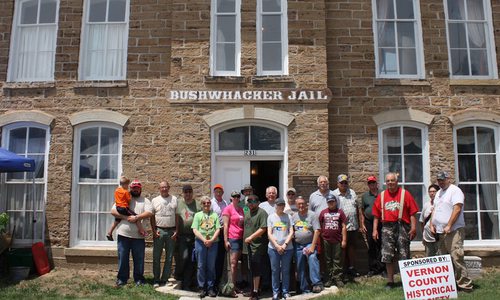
x,y
11,162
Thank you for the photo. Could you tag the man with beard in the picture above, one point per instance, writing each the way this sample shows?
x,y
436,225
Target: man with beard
x,y
129,239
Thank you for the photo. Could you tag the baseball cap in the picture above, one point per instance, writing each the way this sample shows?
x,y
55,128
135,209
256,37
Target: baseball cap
x,y
187,187
235,193
443,175
247,187
371,179
291,190
135,183
218,186
280,201
342,177
331,197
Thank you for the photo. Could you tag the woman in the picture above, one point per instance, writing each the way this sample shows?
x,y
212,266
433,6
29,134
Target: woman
x,y
206,227
280,249
233,217
428,239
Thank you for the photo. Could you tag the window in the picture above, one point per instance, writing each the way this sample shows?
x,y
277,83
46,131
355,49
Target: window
x,y
104,40
272,37
33,44
398,39
225,36
249,138
97,166
477,164
28,140
470,39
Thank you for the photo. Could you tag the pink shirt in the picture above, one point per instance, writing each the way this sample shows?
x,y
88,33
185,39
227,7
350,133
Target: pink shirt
x,y
236,218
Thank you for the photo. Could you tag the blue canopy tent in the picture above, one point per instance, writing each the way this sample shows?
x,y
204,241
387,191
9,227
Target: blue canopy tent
x,y
11,162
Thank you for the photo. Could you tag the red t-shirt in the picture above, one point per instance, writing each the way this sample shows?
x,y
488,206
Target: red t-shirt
x,y
391,206
331,224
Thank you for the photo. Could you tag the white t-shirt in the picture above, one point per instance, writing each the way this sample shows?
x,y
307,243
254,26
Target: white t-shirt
x,y
164,210
130,230
443,207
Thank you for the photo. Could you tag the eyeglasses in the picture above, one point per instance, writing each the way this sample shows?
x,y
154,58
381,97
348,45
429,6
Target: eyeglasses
x,y
236,196
206,203
252,201
291,193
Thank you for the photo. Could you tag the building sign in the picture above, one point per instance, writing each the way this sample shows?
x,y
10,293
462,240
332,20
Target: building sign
x,y
249,95
428,278
305,185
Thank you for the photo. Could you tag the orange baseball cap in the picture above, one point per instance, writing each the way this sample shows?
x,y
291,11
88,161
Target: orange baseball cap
x,y
218,186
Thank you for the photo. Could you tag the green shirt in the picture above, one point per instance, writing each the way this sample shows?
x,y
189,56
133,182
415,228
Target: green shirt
x,y
206,224
367,201
186,214
254,221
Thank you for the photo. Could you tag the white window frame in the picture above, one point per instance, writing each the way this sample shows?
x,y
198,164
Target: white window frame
x,y
5,142
284,39
84,43
490,43
418,43
13,72
496,129
75,202
213,40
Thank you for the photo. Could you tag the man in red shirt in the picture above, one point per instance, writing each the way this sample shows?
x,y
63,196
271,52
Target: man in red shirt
x,y
395,208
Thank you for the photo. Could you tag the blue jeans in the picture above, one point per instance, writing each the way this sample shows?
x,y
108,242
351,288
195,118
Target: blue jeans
x,y
164,241
137,247
206,264
280,268
312,261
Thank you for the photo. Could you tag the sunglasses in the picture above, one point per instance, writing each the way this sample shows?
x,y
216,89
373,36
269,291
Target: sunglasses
x,y
236,196
206,203
290,193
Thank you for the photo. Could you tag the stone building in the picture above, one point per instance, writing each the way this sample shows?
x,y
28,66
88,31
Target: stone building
x,y
266,92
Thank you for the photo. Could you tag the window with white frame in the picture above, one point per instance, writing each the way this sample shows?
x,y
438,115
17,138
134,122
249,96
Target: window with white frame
x,y
272,37
403,150
25,209
97,166
398,39
103,54
225,36
33,42
477,164
470,39
249,138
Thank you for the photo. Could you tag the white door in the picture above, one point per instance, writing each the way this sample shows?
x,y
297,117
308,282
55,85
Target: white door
x,y
232,174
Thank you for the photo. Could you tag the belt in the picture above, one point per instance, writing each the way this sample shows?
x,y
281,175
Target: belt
x,y
166,228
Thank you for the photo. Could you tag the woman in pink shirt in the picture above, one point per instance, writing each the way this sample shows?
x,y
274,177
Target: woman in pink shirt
x,y
233,217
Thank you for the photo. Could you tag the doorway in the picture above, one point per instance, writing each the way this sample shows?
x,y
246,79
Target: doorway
x,y
264,173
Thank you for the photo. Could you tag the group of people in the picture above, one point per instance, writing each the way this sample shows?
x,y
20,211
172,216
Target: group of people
x,y
276,240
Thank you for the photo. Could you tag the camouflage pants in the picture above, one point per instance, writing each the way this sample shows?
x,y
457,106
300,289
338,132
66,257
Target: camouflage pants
x,y
395,239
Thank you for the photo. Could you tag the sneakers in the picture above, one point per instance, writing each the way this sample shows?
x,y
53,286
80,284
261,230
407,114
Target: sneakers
x,y
317,289
328,284
276,297
286,295
254,296
156,285
139,283
390,285
120,283
212,293
202,293
351,271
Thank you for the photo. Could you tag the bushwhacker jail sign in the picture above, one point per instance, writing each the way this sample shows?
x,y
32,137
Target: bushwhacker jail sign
x,y
428,278
251,95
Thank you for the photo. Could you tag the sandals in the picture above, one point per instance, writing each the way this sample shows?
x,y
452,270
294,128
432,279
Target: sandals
x,y
109,237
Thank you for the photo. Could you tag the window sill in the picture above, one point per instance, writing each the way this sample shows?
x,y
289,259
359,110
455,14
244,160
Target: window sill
x,y
387,81
29,85
472,82
283,81
225,79
101,84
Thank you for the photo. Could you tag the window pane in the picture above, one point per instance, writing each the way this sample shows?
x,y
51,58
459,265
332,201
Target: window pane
x,y
226,6
265,138
48,10
87,227
385,9
106,197
386,34
487,169
271,57
458,38
404,9
489,225
104,220
97,12
479,62
459,62
271,5
488,197
226,29
465,140
88,167
109,141
392,163
29,11
413,140
89,140
388,61
476,35
456,10
416,191
467,168
234,139
471,226
271,28
406,34
108,169
408,61
225,57
391,140
117,10
15,196
39,166
470,193
36,142
17,140
475,10
413,168
485,140
88,198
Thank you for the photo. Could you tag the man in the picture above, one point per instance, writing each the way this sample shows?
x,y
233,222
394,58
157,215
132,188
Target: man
x,y
164,233
395,208
375,266
269,205
307,231
317,200
348,202
448,222
129,239
255,240
246,191
187,207
218,205
291,206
